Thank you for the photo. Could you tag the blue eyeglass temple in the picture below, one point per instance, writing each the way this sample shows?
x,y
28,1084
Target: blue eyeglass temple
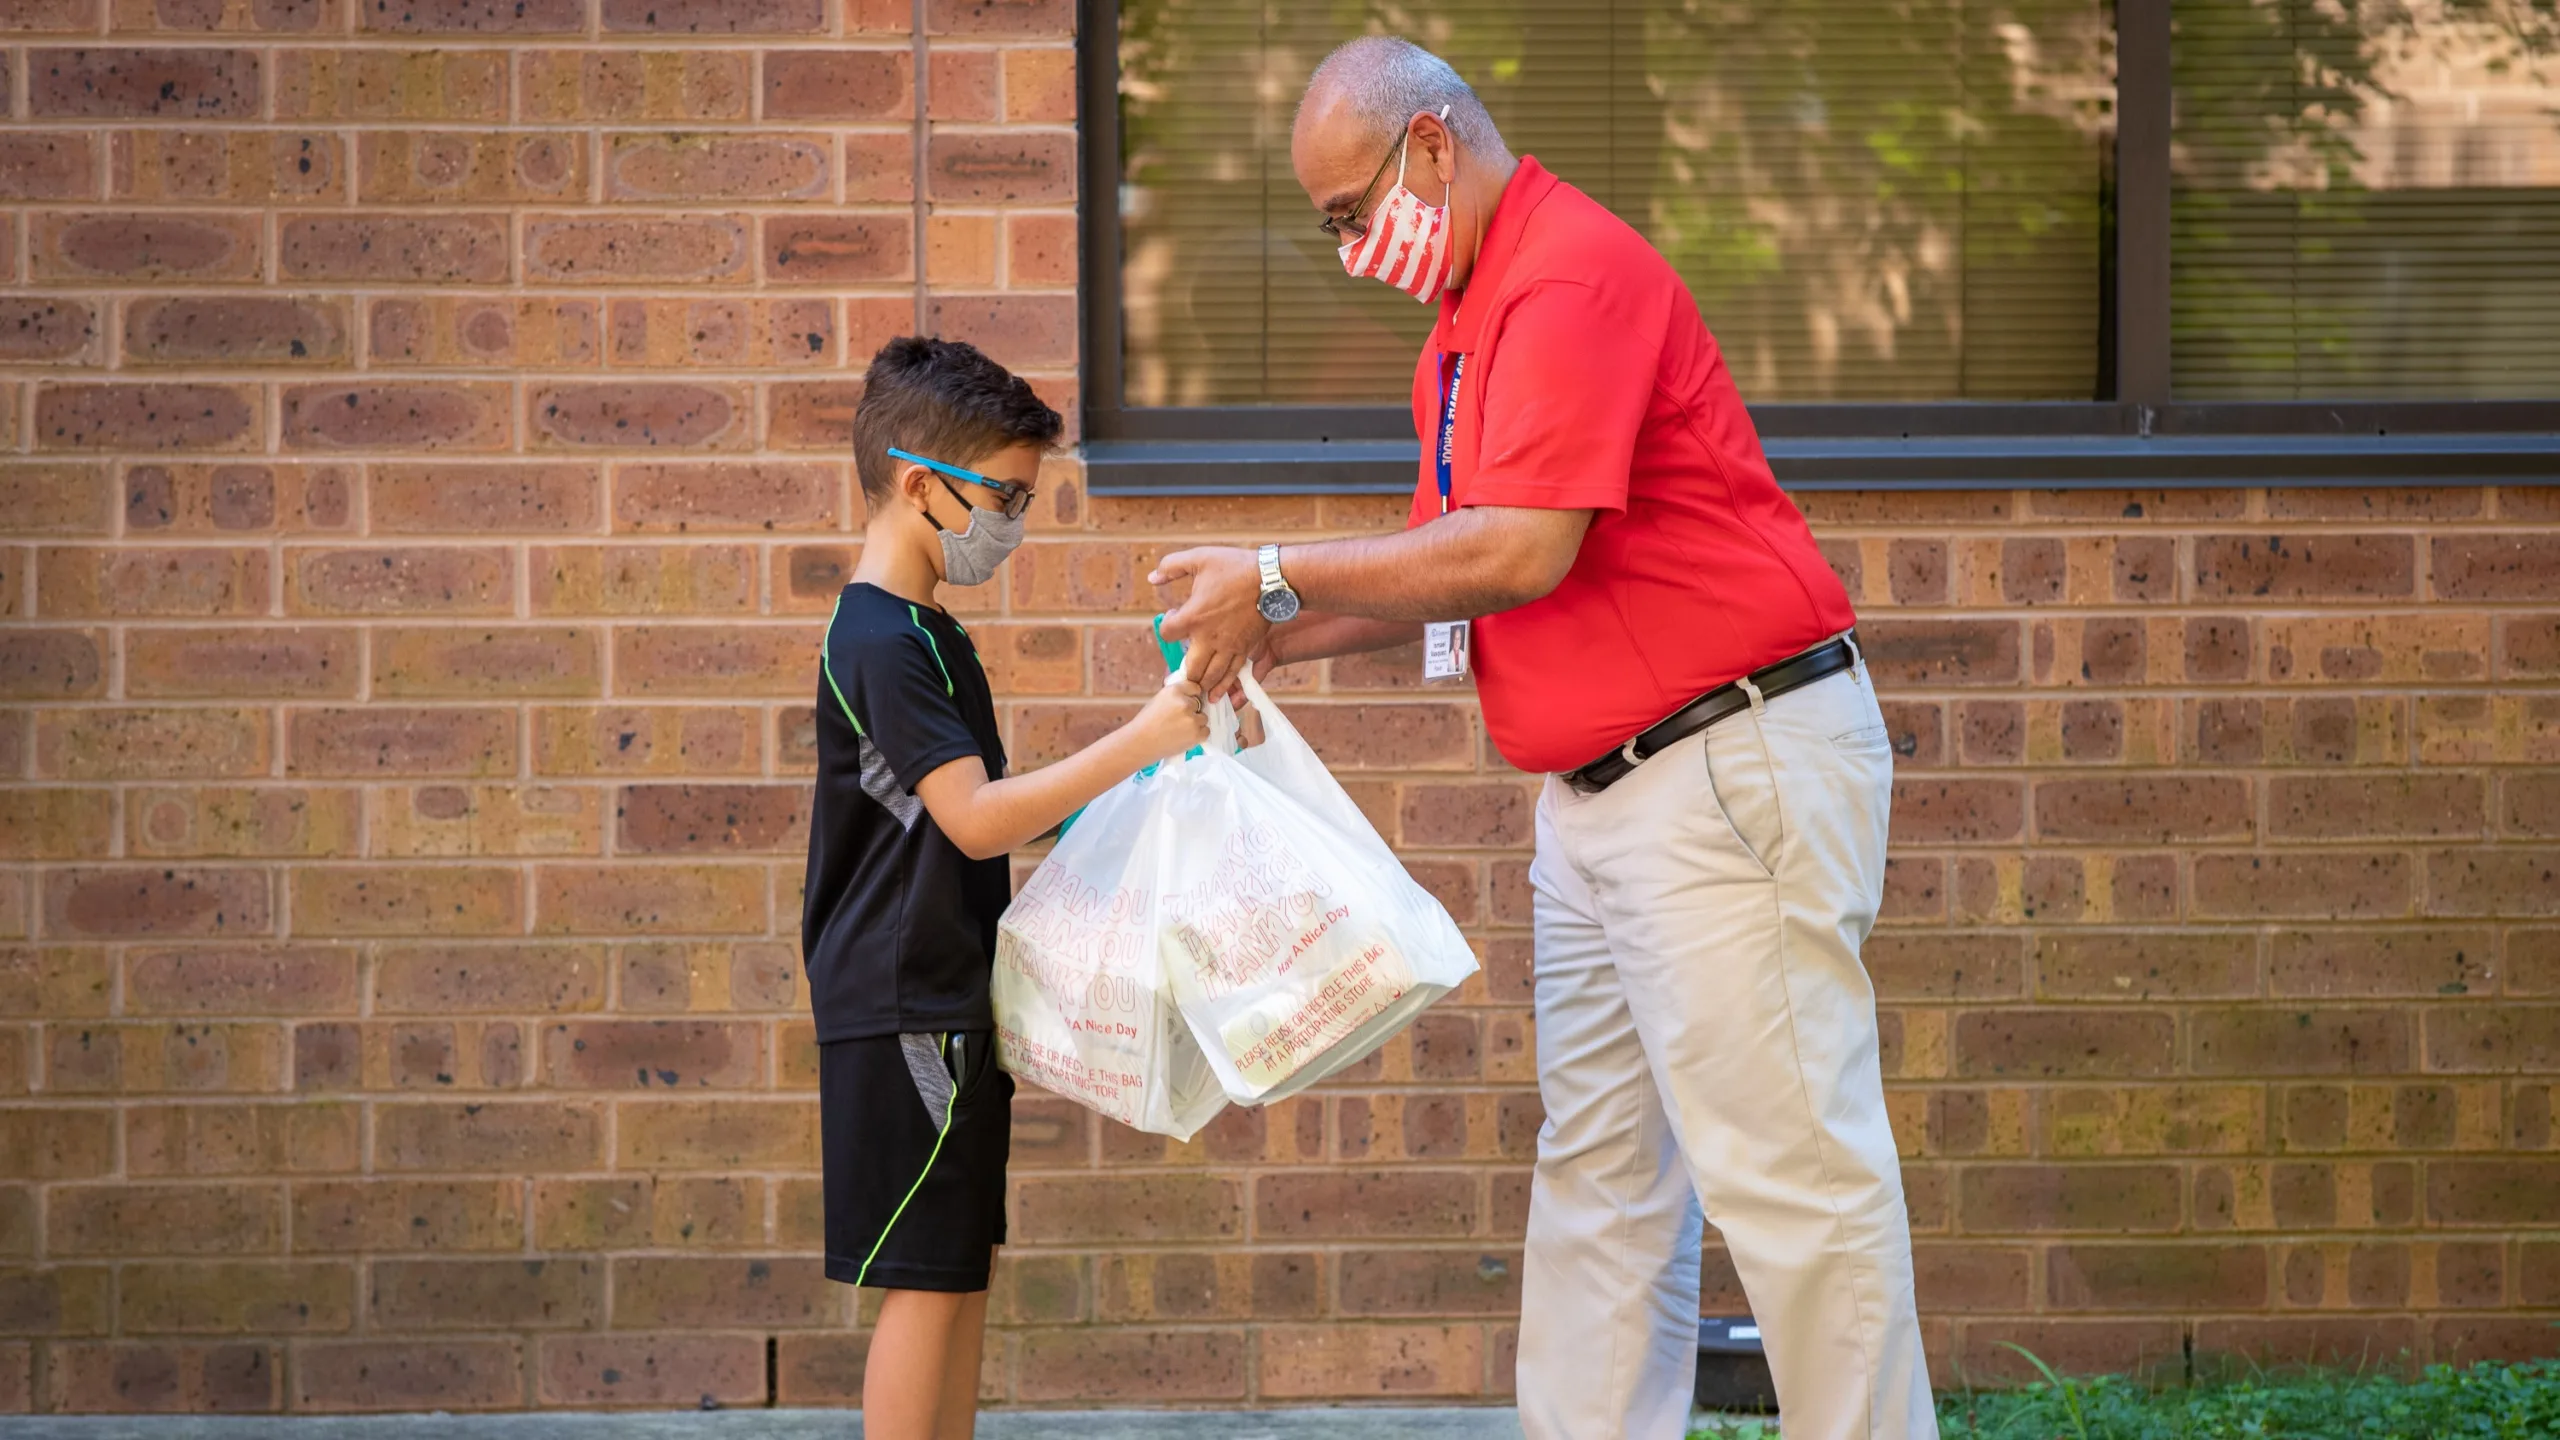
x,y
1005,488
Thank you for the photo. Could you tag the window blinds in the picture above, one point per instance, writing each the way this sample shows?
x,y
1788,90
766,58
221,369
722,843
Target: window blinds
x,y
2366,200
1899,201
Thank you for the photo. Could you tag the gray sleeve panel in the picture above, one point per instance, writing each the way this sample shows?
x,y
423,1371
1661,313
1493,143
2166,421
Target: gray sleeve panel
x,y
931,1072
881,784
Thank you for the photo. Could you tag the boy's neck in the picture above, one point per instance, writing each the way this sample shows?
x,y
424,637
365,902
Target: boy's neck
x,y
893,561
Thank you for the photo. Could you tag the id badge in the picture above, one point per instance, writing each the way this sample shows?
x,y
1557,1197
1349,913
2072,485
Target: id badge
x,y
1444,650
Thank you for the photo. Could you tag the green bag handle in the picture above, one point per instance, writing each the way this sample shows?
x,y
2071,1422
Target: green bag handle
x,y
1172,650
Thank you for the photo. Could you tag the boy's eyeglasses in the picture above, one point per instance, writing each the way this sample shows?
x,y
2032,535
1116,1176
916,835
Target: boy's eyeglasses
x,y
1348,225
1011,498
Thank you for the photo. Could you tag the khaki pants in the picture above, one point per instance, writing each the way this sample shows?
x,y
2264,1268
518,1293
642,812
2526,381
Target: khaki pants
x,y
1706,1031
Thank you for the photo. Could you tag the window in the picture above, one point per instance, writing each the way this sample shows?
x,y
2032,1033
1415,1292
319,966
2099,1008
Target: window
x,y
2050,241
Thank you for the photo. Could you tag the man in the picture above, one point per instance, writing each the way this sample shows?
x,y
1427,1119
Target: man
x,y
1657,633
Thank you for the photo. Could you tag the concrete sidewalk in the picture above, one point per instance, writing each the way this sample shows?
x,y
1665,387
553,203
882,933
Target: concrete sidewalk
x,y
1341,1424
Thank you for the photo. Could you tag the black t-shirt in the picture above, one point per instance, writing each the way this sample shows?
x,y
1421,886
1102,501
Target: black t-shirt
x,y
899,933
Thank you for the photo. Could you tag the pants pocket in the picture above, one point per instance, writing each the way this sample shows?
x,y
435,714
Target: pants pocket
x,y
1743,786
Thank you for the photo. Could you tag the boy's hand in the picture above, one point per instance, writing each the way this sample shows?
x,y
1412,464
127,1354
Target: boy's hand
x,y
1175,720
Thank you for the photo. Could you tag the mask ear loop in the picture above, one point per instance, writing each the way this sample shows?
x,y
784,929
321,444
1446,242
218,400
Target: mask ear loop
x,y
1404,152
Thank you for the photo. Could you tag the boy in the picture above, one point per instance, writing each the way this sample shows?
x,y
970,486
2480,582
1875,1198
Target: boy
x,y
913,819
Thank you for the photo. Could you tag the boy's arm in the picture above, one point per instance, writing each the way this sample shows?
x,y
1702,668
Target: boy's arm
x,y
987,818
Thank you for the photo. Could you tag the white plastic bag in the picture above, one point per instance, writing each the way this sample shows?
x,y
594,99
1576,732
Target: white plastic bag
x,y
1243,893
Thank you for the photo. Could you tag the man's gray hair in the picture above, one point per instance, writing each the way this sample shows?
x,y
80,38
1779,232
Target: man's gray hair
x,y
1387,80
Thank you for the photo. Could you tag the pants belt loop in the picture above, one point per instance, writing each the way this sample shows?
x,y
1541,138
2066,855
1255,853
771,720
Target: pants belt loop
x,y
1857,657
1759,707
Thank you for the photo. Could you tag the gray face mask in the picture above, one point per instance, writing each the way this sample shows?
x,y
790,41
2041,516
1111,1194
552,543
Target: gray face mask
x,y
973,556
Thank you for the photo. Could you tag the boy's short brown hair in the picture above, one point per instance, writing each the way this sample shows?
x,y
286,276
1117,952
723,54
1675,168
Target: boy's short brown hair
x,y
944,400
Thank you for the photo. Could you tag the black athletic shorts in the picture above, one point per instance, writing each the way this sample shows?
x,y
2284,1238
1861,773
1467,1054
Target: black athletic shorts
x,y
915,1129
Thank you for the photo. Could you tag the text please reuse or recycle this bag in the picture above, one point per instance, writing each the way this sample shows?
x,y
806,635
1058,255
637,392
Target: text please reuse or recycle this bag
x,y
1223,926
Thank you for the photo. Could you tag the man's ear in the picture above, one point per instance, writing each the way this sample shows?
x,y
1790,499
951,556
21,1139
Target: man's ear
x,y
1431,134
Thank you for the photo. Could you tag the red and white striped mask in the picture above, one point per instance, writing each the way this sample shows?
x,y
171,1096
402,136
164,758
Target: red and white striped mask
x,y
1407,243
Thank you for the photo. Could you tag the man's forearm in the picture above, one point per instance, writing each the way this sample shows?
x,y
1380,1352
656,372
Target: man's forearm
x,y
1321,637
1457,567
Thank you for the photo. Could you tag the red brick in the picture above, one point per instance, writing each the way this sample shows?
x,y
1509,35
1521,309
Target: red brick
x,y
962,86
681,1293
715,661
1009,167
2308,885
1300,1362
504,1137
1437,816
1132,1365
765,334
2364,1345
2305,566
2514,566
1154,1208
2346,962
46,329
393,580
719,1135
217,1298
110,744
92,246
2493,1040
412,167
53,664
199,499
444,979
458,662
193,84
1941,652
2344,807
265,821
217,330
639,416
746,497
1432,1283
130,1219
642,579
393,249
70,16
408,900
193,581
135,417
698,168
2156,1277
2115,1199
474,332
853,248
649,899
164,1377
635,250
242,167
406,1295
2507,1191
48,165
708,1371
2147,967
59,1301
2108,1043
710,1213
2528,645
1945,967
646,740
837,85
1025,332
410,1374
473,17
1040,19
2300,1042
344,1216
1957,811
712,819
259,980
1364,1203
462,499
387,740
2493,882
454,415
653,1054
134,902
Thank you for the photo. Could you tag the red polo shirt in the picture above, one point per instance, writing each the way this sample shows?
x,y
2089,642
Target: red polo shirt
x,y
1591,383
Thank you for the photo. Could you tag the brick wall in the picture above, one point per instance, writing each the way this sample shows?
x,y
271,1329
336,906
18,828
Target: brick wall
x,y
423,472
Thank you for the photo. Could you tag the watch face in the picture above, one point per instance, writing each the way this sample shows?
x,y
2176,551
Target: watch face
x,y
1278,606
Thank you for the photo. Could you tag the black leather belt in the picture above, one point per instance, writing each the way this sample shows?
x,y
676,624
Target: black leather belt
x,y
1792,673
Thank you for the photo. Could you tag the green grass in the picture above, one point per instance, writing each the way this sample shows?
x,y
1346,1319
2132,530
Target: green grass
x,y
2487,1401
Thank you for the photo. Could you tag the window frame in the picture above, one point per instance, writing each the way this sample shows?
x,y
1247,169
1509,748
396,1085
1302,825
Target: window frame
x,y
2141,438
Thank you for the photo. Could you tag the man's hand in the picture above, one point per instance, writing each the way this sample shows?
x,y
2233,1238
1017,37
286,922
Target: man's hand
x,y
1218,619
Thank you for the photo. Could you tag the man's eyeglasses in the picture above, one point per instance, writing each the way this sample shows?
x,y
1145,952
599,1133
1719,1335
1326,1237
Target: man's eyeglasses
x,y
1349,226
1011,498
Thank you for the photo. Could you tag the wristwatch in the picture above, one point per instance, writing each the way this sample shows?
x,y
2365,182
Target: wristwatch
x,y
1278,602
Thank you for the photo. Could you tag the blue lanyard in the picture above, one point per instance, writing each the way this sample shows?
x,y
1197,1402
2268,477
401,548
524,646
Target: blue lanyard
x,y
1450,379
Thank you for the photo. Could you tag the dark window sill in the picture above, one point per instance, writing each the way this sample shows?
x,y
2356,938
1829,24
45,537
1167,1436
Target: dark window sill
x,y
2515,457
